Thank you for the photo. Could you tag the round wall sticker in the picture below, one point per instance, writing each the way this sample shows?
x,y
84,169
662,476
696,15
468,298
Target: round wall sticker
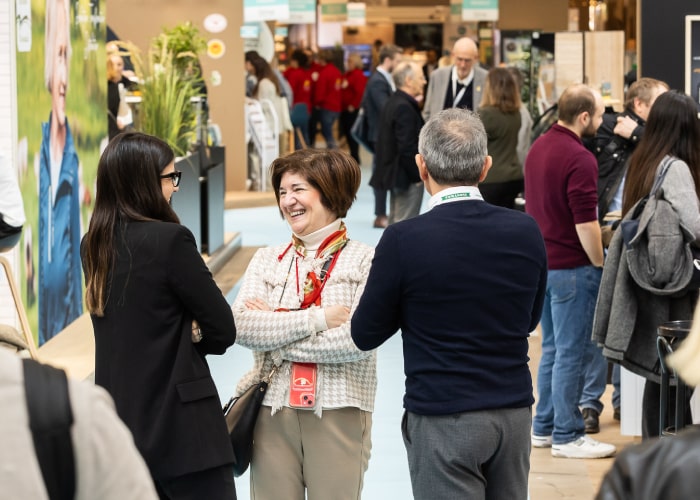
x,y
215,23
215,48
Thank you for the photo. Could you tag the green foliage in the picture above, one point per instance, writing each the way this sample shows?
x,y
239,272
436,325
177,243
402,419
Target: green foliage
x,y
171,78
185,42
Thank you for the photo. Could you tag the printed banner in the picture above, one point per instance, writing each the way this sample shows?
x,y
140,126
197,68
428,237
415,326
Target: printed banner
x,y
333,11
62,128
692,57
302,12
480,10
456,11
265,10
357,14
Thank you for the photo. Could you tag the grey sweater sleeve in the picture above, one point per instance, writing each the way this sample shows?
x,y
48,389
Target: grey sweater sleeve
x,y
679,190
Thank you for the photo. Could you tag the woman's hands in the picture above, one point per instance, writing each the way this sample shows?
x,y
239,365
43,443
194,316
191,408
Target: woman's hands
x,y
257,305
336,315
196,332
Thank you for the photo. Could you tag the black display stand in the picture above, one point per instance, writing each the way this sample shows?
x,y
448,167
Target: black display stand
x,y
199,202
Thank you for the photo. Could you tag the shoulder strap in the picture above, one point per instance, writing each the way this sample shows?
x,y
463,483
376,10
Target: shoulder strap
x,y
662,175
50,420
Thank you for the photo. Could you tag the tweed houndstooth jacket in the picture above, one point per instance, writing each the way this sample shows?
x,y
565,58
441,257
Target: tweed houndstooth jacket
x,y
346,376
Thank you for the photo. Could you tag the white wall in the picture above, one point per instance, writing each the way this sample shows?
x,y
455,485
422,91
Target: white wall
x,y
8,137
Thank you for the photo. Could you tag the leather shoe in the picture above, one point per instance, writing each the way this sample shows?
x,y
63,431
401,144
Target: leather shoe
x,y
590,421
616,413
381,221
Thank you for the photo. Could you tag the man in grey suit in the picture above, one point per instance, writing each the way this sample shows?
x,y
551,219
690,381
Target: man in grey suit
x,y
459,85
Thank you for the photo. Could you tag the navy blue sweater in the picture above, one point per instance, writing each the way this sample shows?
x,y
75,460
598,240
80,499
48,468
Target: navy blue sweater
x,y
465,283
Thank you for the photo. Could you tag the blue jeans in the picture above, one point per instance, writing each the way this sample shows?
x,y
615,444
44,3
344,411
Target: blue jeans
x,y
567,321
327,119
595,377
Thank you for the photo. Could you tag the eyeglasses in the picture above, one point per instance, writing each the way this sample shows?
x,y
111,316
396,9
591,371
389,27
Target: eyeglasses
x,y
174,177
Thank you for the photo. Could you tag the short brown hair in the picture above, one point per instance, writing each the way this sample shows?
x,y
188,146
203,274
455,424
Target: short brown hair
x,y
389,51
575,100
334,173
643,89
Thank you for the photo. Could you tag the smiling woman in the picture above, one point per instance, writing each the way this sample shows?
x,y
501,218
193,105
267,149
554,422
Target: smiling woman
x,y
293,311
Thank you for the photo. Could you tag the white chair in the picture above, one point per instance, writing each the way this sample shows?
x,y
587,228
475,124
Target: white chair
x,y
19,307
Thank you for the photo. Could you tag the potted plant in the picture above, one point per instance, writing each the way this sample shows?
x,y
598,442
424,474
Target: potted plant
x,y
170,77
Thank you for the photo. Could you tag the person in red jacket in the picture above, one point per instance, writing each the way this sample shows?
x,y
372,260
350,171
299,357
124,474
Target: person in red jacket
x,y
352,89
314,72
299,78
327,97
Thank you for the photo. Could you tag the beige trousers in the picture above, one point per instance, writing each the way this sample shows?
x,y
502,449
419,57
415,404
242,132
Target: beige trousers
x,y
295,450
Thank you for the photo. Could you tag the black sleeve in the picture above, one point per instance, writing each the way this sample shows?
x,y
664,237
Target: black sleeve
x,y
407,128
193,284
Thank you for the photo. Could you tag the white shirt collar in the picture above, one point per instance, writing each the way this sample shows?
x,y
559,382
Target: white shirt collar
x,y
456,193
465,81
388,77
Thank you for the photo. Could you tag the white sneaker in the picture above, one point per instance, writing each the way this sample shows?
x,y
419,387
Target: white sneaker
x,y
541,441
583,447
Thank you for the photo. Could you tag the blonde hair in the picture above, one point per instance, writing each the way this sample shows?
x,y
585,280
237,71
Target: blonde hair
x,y
355,61
686,360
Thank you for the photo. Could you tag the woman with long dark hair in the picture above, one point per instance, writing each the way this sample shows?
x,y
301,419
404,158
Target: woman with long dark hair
x,y
156,313
627,315
500,113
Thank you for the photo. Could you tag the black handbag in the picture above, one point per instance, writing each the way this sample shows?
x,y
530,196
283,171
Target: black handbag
x,y
241,413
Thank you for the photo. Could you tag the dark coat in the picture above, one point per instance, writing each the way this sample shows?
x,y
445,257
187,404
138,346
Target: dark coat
x,y
626,316
144,354
613,153
377,93
657,469
395,153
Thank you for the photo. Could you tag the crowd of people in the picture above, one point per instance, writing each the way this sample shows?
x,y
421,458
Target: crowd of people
x,y
320,95
314,309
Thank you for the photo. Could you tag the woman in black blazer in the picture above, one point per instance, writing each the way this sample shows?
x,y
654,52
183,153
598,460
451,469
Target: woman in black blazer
x,y
156,313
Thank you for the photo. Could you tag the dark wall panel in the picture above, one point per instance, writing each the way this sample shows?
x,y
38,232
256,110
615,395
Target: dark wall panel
x,y
662,39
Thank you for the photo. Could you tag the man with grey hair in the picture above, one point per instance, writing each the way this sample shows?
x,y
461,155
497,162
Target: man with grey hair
x,y
465,298
400,122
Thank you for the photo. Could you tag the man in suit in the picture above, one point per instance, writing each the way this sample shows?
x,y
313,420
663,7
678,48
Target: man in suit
x,y
379,87
459,85
465,299
397,144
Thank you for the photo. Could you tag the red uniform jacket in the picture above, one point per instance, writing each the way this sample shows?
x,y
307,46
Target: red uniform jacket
x,y
353,87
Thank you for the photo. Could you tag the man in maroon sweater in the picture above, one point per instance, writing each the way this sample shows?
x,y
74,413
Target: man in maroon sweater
x,y
561,189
